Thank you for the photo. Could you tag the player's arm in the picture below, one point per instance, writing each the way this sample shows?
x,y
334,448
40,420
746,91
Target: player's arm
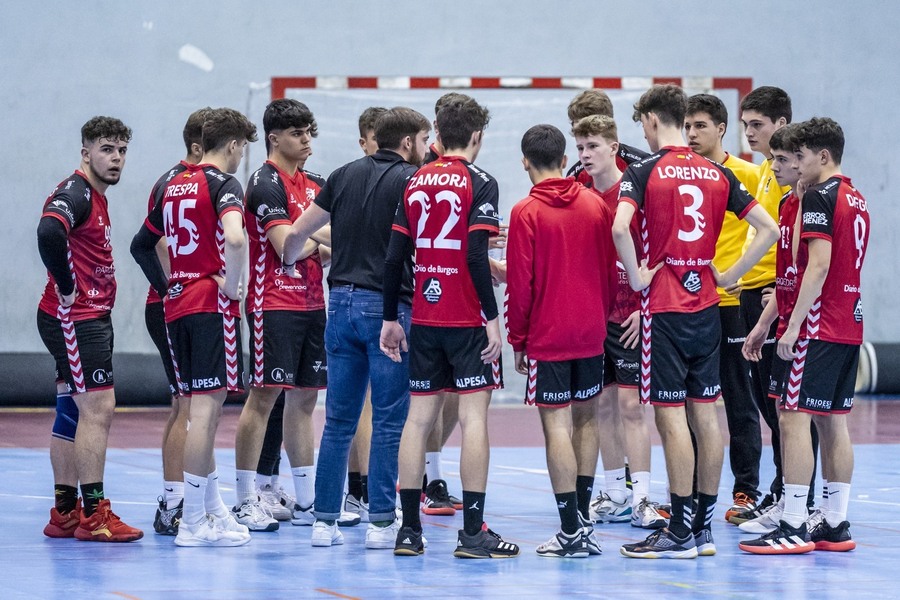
x,y
639,275
144,250
322,236
520,286
279,233
393,337
295,241
753,343
162,253
53,247
233,230
810,290
766,235
480,272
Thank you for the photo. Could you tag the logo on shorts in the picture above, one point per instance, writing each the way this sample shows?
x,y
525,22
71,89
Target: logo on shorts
x,y
857,311
691,281
557,396
711,390
467,382
820,403
278,375
205,383
588,393
101,376
419,384
175,290
848,402
676,395
432,290
318,366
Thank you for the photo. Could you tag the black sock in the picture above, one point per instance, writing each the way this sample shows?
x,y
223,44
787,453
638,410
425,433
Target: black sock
x,y
680,521
424,483
706,504
66,497
567,504
409,502
364,484
584,487
473,512
354,484
91,494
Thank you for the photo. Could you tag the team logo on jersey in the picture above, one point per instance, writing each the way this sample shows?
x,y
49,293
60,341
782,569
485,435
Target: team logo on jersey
x,y
626,186
432,290
857,311
691,281
101,376
175,290
278,375
93,293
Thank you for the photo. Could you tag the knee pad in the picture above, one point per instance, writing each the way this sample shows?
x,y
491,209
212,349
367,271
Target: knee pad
x,y
66,418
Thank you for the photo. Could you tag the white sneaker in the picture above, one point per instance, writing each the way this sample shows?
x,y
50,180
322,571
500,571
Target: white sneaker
x,y
348,519
254,516
326,535
604,509
208,532
766,522
587,530
563,546
277,501
815,519
355,505
646,516
302,516
382,537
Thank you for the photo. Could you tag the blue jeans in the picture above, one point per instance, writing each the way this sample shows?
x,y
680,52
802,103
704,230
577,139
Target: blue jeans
x,y
354,358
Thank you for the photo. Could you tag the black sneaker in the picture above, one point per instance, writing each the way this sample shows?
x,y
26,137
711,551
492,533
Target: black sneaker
x,y
587,530
409,542
456,502
832,539
662,544
783,540
748,515
484,544
562,545
437,499
167,520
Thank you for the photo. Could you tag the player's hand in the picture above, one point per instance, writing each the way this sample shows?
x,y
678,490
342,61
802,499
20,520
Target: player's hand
x,y
393,340
499,240
632,332
66,301
753,344
521,363
766,296
495,342
724,280
786,344
498,271
235,294
290,270
734,290
644,276
800,189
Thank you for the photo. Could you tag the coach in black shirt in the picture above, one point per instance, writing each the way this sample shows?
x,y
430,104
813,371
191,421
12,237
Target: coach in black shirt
x,y
360,199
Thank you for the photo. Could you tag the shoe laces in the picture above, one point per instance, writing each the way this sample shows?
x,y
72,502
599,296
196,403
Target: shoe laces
x,y
742,499
438,491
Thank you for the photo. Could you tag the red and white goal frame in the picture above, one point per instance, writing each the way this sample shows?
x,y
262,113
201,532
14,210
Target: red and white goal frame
x,y
280,85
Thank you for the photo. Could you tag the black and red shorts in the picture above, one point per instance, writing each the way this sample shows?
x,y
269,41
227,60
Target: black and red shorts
x,y
288,349
556,384
822,378
207,353
680,351
778,377
155,319
448,359
82,351
622,365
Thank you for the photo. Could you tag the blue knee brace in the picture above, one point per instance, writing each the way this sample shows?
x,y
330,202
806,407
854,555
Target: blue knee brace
x,y
66,418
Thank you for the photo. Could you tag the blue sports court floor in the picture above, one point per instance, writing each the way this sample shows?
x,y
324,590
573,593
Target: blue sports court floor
x,y
520,506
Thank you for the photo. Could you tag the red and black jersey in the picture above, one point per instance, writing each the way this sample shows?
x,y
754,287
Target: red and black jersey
x,y
275,198
627,300
837,212
683,197
190,218
785,263
85,215
156,195
626,155
443,202
561,275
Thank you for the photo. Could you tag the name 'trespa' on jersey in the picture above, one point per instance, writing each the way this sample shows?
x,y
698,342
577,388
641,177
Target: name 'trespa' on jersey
x,y
837,212
85,215
443,202
190,218
683,197
275,198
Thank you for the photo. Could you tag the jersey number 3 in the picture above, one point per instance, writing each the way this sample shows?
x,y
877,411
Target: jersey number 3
x,y
695,194
441,241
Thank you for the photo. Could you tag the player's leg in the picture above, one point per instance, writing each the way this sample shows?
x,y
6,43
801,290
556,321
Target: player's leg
x,y
435,493
423,412
357,500
272,495
66,512
613,504
248,444
449,420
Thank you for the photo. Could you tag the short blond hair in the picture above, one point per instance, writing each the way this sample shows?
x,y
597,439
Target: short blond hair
x,y
590,102
600,125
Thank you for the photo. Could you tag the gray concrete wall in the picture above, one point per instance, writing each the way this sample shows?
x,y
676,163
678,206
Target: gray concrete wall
x,y
63,62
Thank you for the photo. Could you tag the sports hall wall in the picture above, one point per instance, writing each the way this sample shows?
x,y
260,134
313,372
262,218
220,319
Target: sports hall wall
x,y
64,62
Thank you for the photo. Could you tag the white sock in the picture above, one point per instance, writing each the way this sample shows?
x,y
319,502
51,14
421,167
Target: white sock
x,y
194,494
433,466
246,486
615,485
213,499
838,499
262,481
795,513
640,485
824,505
173,493
304,485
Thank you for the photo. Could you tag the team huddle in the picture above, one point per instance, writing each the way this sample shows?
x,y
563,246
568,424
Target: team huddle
x,y
675,277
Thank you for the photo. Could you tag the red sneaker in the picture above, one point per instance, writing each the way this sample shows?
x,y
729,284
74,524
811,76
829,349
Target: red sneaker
x,y
742,503
105,526
63,525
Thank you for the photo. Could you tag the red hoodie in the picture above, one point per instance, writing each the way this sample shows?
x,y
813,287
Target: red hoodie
x,y
561,272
